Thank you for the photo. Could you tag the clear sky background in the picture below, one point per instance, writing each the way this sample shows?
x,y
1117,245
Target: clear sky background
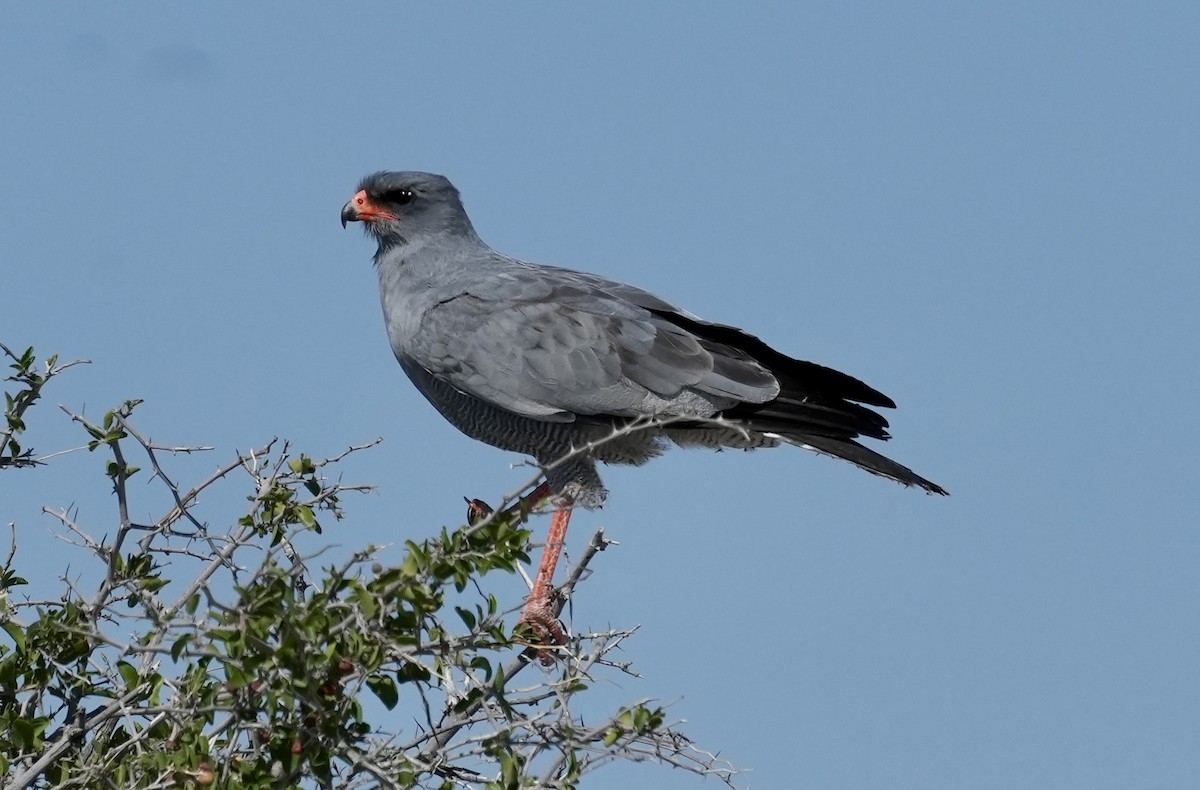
x,y
988,211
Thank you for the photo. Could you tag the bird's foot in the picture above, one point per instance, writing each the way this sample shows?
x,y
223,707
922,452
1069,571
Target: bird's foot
x,y
538,619
478,510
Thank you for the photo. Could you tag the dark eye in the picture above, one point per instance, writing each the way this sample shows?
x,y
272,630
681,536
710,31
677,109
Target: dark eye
x,y
398,197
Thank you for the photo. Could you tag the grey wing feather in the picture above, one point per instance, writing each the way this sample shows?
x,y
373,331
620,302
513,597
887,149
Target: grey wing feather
x,y
551,343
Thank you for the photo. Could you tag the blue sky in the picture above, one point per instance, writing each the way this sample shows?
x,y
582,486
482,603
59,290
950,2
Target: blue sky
x,y
989,213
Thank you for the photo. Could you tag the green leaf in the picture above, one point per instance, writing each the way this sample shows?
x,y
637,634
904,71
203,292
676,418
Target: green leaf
x,y
498,681
412,671
384,688
508,770
178,648
467,617
128,673
8,579
22,733
367,604
17,633
8,672
155,584
235,676
483,665
409,567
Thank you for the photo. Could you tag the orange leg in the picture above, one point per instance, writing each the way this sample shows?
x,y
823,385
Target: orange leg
x,y
539,609
543,585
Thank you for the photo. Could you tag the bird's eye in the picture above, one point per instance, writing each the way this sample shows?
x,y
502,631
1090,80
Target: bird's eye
x,y
398,197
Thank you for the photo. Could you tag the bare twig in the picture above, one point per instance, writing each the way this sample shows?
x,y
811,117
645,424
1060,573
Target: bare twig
x,y
25,779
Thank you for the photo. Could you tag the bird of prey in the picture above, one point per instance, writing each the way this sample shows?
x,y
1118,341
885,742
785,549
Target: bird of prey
x,y
552,362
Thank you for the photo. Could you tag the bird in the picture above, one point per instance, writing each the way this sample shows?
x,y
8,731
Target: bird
x,y
574,369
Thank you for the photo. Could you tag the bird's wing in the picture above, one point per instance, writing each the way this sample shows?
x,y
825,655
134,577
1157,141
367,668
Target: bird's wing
x,y
552,343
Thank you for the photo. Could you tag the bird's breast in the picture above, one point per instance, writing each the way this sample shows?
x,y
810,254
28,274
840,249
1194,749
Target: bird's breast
x,y
405,303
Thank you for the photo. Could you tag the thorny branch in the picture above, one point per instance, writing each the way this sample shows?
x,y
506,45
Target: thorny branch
x,y
257,662
30,383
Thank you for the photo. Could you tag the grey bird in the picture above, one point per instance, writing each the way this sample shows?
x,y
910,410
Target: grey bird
x,y
542,361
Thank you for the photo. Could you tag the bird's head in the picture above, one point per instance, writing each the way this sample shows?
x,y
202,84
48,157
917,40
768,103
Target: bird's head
x,y
399,207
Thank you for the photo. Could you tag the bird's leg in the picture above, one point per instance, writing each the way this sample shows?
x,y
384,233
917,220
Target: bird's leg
x,y
539,609
478,510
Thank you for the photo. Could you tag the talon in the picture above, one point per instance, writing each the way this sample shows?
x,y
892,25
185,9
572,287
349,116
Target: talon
x,y
539,618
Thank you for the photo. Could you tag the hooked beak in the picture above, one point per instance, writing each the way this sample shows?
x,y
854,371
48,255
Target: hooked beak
x,y
361,209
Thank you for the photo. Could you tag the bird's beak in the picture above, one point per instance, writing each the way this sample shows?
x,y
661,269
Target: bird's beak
x,y
361,209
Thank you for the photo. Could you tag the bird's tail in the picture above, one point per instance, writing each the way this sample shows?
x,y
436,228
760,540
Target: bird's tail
x,y
864,458
817,408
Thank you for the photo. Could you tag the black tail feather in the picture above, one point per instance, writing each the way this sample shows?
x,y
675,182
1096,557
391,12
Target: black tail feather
x,y
793,374
867,459
841,418
817,407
